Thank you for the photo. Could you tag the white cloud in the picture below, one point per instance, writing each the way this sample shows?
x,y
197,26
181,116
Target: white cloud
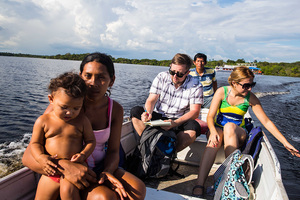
x,y
249,29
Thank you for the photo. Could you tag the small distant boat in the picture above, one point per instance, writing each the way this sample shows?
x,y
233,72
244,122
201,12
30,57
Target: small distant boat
x,y
267,182
229,68
226,68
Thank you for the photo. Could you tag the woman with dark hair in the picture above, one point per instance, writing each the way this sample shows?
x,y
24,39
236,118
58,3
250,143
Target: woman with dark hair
x,y
106,180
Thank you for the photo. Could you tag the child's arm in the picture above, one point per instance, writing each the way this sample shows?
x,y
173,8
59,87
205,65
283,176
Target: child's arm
x,y
37,147
89,141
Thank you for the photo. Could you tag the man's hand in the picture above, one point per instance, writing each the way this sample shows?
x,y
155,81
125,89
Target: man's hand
x,y
173,124
115,184
76,173
146,116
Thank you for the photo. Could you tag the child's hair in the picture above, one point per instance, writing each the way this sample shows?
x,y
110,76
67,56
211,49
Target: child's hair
x,y
240,73
72,83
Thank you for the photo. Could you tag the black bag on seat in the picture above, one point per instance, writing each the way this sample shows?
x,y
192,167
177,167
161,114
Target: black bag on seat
x,y
154,154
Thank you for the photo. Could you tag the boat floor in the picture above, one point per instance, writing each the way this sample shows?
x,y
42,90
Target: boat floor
x,y
180,185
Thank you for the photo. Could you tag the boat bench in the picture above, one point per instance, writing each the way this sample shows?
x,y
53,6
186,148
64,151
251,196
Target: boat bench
x,y
191,155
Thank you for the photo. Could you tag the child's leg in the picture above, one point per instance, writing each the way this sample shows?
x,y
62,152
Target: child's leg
x,y
47,189
68,190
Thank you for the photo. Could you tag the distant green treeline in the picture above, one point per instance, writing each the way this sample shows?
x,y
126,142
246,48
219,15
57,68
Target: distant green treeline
x,y
276,69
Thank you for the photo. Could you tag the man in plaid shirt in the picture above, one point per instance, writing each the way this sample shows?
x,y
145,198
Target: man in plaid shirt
x,y
174,96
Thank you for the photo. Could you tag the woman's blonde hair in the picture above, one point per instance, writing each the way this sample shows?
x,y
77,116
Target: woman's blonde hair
x,y
240,73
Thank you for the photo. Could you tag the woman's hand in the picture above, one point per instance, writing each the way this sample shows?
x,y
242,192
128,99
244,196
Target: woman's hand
x,y
213,139
76,173
292,149
115,184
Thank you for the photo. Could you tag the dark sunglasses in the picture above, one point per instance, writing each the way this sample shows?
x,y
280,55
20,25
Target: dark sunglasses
x,y
178,74
247,85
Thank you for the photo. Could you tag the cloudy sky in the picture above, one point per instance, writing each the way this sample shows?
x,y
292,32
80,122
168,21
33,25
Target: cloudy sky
x,y
262,30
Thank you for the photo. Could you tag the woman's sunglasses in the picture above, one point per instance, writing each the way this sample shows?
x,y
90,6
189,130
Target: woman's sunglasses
x,y
178,74
247,85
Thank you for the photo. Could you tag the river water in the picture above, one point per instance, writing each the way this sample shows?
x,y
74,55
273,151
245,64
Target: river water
x,y
23,97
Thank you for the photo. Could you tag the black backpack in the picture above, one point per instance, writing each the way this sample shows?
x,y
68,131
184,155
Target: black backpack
x,y
153,156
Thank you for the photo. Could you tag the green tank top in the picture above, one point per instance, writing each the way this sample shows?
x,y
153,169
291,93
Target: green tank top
x,y
228,113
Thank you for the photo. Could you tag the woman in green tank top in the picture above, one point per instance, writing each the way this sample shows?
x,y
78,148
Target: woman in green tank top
x,y
225,121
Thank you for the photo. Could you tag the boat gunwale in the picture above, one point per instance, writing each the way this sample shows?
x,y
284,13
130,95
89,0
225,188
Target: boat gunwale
x,y
127,131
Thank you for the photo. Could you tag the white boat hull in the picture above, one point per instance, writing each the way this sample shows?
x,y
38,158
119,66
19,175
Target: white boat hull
x,y
267,175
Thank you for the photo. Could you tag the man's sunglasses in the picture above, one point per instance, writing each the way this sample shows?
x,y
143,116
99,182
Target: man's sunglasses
x,y
247,85
178,74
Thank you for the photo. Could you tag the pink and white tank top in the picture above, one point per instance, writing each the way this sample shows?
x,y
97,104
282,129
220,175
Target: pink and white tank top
x,y
102,137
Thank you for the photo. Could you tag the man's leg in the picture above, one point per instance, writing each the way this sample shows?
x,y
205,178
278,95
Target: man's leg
x,y
184,139
138,124
187,134
135,115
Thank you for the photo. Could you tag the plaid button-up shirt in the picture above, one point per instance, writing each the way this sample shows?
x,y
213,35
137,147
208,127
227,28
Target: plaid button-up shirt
x,y
172,102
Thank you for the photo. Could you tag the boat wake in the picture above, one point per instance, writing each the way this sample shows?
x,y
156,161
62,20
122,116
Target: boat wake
x,y
11,155
263,94
295,138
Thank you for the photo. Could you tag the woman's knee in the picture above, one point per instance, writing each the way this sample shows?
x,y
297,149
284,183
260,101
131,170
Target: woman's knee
x,y
229,126
230,130
134,187
137,190
105,196
99,193
234,134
